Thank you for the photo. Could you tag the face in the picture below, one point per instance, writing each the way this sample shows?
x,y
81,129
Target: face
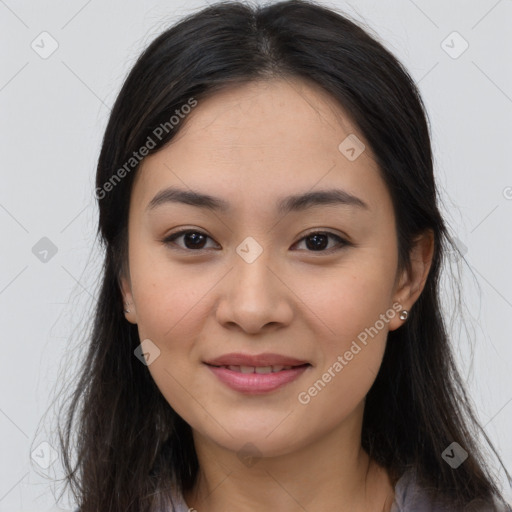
x,y
304,284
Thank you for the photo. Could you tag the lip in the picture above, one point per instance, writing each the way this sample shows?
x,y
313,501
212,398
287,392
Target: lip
x,y
267,359
256,383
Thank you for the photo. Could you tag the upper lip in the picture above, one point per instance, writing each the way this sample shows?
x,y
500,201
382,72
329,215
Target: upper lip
x,y
238,359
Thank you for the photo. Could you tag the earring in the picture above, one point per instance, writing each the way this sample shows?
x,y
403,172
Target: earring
x,y
126,310
404,314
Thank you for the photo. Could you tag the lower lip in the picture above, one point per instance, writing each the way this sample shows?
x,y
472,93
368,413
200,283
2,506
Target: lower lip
x,y
257,383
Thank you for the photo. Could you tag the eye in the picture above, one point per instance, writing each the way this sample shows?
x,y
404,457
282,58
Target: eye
x,y
318,240
193,239
315,241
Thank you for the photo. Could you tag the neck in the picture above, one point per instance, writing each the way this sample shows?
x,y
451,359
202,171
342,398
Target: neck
x,y
333,473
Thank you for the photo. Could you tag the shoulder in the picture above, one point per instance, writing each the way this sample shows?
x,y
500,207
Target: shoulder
x,y
174,502
409,495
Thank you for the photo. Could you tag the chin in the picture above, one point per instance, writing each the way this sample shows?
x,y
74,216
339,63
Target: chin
x,y
262,441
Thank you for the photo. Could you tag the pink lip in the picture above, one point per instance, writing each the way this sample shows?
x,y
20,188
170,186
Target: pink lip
x,y
257,383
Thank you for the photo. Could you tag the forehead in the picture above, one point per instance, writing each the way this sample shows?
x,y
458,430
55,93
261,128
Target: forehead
x,y
250,142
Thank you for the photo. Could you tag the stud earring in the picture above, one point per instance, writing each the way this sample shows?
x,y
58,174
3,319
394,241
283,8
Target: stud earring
x,y
404,314
126,310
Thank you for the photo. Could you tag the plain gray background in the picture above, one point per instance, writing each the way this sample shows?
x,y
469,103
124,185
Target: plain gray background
x,y
54,109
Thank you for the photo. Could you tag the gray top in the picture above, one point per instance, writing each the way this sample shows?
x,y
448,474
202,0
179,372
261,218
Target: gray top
x,y
409,497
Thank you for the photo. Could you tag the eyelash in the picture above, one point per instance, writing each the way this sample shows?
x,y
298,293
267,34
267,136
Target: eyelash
x,y
169,241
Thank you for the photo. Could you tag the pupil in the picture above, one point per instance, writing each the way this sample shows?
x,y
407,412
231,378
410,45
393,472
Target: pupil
x,y
195,238
317,245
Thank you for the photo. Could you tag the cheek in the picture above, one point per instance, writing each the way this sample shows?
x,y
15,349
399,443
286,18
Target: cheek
x,y
353,310
335,393
171,313
169,297
352,352
356,311
348,300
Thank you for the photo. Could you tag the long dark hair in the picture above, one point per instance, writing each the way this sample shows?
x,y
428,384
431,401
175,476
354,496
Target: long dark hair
x,y
130,447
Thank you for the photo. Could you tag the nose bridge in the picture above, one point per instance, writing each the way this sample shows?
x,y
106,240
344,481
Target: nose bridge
x,y
251,273
253,296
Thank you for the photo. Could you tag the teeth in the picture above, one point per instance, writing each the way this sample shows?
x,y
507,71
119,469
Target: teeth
x,y
263,369
258,369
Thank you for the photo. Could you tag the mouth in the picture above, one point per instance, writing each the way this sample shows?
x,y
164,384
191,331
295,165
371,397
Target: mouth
x,y
256,374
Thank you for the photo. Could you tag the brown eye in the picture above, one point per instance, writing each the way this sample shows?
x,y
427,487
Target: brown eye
x,y
319,240
192,239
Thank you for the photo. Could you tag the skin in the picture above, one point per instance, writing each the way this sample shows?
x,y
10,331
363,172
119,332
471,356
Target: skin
x,y
252,145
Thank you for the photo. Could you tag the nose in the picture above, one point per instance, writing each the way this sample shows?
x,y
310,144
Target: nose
x,y
254,297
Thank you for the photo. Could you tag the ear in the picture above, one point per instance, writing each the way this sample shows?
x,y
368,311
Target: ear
x,y
128,302
412,281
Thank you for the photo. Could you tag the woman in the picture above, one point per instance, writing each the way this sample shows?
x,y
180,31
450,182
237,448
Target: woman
x,y
268,334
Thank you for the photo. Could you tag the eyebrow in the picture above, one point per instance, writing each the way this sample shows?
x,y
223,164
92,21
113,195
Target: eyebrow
x,y
293,203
